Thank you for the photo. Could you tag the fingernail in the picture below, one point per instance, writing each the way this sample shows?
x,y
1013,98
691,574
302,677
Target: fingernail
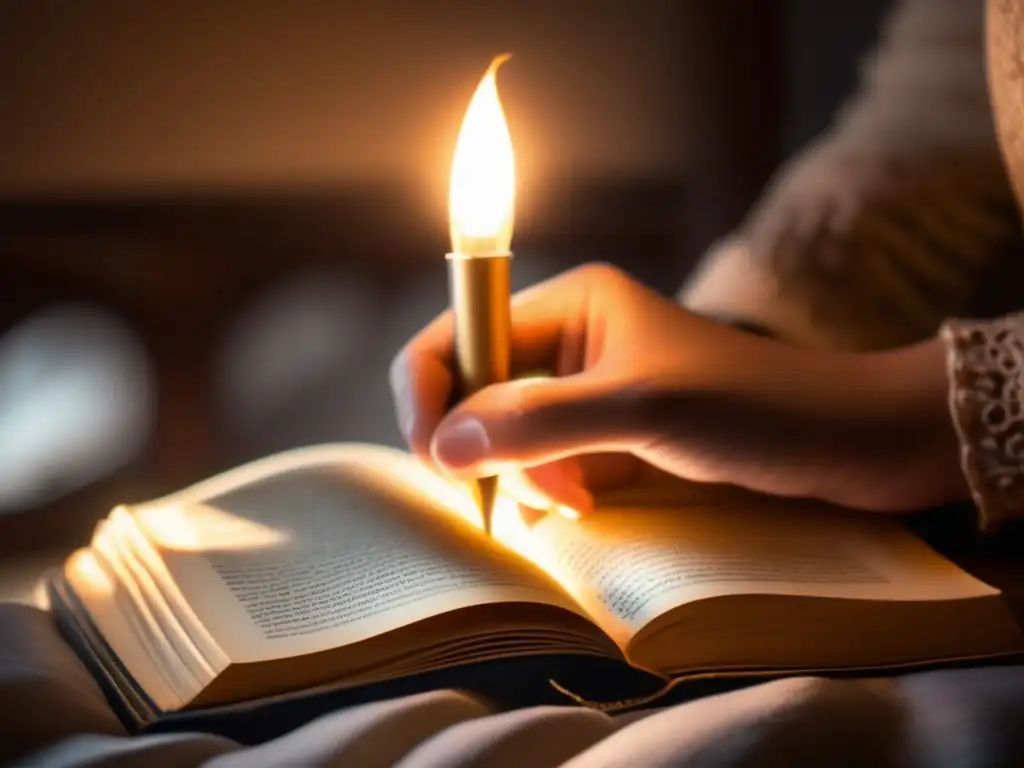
x,y
567,512
404,409
462,444
406,413
406,420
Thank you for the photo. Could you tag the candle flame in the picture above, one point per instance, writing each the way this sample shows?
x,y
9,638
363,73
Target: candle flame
x,y
481,196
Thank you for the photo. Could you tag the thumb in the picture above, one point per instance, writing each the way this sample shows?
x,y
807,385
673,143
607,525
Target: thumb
x,y
527,422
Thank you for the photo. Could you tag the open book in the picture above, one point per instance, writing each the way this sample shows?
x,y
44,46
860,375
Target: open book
x,y
343,567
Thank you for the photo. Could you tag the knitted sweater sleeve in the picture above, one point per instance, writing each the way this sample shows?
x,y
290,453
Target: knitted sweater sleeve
x,y
883,227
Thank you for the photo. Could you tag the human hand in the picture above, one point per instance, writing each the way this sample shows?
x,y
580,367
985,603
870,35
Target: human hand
x,y
637,380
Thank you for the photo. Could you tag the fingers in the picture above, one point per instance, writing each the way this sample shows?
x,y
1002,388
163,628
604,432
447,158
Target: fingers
x,y
421,386
536,421
562,483
549,331
520,486
574,482
567,487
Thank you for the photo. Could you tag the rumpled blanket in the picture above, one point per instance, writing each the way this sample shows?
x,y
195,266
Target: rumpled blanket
x,y
52,714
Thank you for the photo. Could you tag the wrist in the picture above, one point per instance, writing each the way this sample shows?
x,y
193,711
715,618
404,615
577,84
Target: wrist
x,y
739,323
911,425
869,431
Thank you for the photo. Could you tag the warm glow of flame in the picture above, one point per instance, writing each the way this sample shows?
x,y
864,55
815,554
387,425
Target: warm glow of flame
x,y
92,578
513,527
516,485
481,196
196,527
509,525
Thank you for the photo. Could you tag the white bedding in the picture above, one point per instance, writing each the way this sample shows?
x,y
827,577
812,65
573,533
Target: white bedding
x,y
51,714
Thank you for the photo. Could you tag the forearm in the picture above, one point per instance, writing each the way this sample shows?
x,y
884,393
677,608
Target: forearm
x,y
914,434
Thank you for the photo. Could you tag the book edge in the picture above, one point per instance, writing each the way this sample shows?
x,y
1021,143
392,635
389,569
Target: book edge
x,y
130,703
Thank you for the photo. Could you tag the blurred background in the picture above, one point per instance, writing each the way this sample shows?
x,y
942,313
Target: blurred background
x,y
219,221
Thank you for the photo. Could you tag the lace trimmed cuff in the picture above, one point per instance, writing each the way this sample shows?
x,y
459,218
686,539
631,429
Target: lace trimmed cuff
x,y
985,362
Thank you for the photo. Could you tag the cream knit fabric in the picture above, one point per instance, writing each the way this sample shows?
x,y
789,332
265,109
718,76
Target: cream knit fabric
x,y
882,229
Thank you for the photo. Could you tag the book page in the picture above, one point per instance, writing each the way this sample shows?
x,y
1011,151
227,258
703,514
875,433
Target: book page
x,y
327,555
98,589
627,566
